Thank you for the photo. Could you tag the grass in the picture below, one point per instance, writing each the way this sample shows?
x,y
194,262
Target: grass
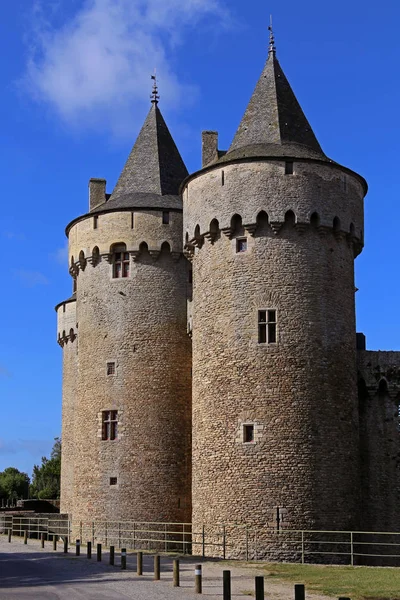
x,y
357,583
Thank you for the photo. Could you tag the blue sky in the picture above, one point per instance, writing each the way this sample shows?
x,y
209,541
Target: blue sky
x,y
76,84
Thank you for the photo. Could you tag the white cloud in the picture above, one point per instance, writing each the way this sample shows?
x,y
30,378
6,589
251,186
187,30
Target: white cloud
x,y
94,68
61,255
30,278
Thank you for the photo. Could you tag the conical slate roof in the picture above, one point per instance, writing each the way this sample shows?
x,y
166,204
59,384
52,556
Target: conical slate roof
x,y
274,123
154,170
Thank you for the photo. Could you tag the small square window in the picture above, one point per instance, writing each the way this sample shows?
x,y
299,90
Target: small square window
x,y
289,168
165,217
113,480
241,245
111,368
248,434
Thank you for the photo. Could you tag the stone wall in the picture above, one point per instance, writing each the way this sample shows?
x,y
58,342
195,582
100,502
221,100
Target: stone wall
x,y
379,397
299,393
138,323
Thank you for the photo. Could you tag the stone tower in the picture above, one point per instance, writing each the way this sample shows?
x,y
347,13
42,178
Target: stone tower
x,y
273,227
127,356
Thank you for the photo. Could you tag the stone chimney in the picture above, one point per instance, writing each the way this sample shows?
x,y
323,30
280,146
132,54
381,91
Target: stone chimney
x,y
97,192
209,147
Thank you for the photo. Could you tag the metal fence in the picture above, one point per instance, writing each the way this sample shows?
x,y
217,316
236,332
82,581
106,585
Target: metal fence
x,y
226,541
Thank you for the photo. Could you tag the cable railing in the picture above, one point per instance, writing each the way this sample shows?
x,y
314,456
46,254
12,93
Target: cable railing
x,y
225,541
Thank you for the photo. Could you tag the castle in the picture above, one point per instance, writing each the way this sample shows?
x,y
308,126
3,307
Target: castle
x,y
211,367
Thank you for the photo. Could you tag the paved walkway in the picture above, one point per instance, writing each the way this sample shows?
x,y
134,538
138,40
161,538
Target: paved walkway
x,y
28,571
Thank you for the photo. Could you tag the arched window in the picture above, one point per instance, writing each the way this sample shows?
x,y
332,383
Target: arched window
x,y
290,218
383,387
165,247
314,219
262,219
143,247
352,229
236,225
336,224
120,261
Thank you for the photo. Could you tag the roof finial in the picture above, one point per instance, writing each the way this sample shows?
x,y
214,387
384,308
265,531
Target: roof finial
x,y
272,48
154,94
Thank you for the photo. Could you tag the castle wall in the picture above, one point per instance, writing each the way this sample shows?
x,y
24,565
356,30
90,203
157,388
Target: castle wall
x,y
300,393
139,323
67,338
379,397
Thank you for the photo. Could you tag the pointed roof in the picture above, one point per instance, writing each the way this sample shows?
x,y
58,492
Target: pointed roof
x,y
154,169
274,122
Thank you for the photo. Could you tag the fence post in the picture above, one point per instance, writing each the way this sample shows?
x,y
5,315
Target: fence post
x,y
139,563
54,542
351,549
260,588
25,536
98,552
119,534
9,535
123,558
77,547
105,534
299,592
80,530
66,545
112,554
176,573
197,580
89,549
165,538
302,547
226,585
93,533
203,543
156,567
42,540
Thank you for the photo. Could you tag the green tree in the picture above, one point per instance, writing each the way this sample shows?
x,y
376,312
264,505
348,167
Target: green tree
x,y
13,484
46,477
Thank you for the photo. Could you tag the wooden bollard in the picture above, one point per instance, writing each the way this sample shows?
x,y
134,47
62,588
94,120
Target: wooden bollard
x,y
9,535
54,542
299,591
78,547
156,567
139,563
197,579
123,558
42,540
89,550
226,579
25,536
98,552
176,573
343,598
260,588
66,545
112,555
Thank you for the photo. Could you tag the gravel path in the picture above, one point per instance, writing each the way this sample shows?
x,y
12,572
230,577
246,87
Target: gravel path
x,y
28,571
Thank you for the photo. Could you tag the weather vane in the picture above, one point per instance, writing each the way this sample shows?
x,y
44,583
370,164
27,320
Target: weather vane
x,y
154,94
272,48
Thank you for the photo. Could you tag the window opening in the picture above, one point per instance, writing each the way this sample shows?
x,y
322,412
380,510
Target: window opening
x,y
113,481
132,220
111,368
121,265
165,217
109,429
248,434
289,168
267,326
222,177
190,276
95,222
241,245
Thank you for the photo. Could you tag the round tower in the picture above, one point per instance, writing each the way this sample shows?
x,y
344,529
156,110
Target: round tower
x,y
272,228
132,413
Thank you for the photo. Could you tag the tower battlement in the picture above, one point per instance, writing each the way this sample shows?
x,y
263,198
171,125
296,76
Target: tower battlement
x,y
67,327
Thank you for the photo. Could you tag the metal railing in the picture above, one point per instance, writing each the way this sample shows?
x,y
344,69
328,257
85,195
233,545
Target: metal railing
x,y
226,541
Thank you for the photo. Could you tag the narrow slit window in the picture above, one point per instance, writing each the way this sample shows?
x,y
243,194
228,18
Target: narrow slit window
x,y
109,425
248,434
165,217
241,245
113,480
267,323
95,222
132,220
289,168
121,265
222,177
190,276
111,368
